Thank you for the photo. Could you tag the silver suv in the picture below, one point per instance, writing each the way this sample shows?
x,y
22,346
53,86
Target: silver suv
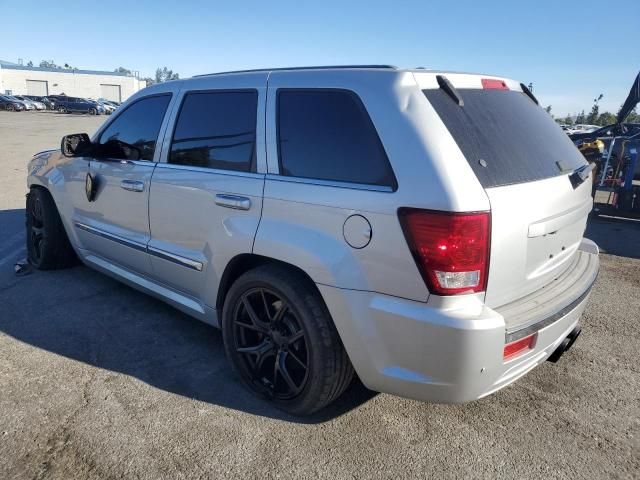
x,y
423,229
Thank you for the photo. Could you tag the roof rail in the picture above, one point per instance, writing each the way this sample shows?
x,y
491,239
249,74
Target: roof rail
x,y
321,67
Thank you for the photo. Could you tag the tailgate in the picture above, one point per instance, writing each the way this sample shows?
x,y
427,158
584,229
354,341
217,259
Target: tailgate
x,y
523,160
536,230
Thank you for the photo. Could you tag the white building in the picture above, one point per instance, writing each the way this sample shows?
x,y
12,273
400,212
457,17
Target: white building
x,y
18,79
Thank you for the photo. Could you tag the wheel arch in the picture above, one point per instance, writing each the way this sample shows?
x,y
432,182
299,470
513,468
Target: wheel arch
x,y
244,262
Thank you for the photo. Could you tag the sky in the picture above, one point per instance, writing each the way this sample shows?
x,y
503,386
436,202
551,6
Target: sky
x,y
569,50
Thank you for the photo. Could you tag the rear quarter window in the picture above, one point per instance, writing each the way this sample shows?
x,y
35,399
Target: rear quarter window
x,y
505,137
327,134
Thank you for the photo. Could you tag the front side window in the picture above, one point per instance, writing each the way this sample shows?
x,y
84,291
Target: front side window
x,y
328,135
133,134
216,129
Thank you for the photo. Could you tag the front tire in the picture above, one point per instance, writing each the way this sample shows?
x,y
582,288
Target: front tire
x,y
48,247
281,340
62,110
93,111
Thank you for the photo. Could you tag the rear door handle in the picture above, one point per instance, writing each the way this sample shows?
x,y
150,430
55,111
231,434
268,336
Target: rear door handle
x,y
132,185
233,201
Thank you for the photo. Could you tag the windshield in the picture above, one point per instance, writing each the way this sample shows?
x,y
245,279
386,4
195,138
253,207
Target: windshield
x,y
505,137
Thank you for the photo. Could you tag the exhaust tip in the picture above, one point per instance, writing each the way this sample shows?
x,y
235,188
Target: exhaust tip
x,y
565,345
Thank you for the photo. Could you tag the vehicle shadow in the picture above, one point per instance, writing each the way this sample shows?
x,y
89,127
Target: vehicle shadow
x,y
86,316
614,235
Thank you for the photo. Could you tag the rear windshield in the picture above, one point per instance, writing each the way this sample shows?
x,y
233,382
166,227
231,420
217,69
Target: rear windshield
x,y
505,137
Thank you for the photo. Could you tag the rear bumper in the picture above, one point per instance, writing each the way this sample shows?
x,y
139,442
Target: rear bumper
x,y
447,353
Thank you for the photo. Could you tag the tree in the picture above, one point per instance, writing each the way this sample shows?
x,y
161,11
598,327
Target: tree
x,y
592,118
29,63
149,80
123,70
580,117
548,110
48,64
606,118
164,75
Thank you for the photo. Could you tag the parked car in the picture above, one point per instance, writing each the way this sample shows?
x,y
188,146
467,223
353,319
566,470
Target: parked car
x,y
110,102
44,100
66,104
28,104
582,128
9,104
37,105
407,225
108,108
614,130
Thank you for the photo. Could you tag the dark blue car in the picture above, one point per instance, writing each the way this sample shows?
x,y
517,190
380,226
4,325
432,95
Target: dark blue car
x,y
66,104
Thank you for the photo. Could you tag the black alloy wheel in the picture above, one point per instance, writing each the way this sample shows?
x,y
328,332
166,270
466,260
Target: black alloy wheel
x,y
271,344
36,234
48,246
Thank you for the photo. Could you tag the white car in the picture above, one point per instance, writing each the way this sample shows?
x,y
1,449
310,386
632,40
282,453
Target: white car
x,y
37,105
108,108
583,128
405,225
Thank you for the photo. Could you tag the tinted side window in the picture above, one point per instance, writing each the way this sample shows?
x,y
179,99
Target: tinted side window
x,y
216,130
133,134
328,135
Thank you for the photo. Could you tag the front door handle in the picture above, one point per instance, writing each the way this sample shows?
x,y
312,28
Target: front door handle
x,y
132,185
233,201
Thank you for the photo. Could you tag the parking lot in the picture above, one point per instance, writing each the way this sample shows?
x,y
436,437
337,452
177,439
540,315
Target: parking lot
x,y
100,381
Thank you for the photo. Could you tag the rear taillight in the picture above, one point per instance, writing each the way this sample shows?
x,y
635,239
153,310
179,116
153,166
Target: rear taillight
x,y
514,349
450,249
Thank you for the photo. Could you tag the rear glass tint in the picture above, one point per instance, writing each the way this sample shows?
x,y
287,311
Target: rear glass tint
x,y
505,137
328,135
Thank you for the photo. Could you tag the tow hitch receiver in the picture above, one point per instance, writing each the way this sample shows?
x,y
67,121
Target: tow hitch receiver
x,y
565,345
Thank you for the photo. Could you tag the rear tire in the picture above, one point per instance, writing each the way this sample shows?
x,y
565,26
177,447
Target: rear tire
x,y
281,340
93,111
48,246
62,110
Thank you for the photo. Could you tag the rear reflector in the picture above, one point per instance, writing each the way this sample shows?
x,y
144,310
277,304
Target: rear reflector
x,y
451,249
519,346
493,84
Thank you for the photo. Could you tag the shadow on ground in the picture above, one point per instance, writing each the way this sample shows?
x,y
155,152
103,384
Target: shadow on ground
x,y
88,317
615,236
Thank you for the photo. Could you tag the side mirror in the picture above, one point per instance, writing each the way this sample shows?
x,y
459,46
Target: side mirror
x,y
75,145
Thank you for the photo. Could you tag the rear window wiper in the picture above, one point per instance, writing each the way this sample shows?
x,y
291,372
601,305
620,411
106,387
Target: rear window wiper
x,y
449,89
579,175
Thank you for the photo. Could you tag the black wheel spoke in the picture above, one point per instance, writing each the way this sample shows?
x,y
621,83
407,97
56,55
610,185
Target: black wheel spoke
x,y
261,352
295,337
281,311
284,372
253,315
297,360
258,350
250,326
266,304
